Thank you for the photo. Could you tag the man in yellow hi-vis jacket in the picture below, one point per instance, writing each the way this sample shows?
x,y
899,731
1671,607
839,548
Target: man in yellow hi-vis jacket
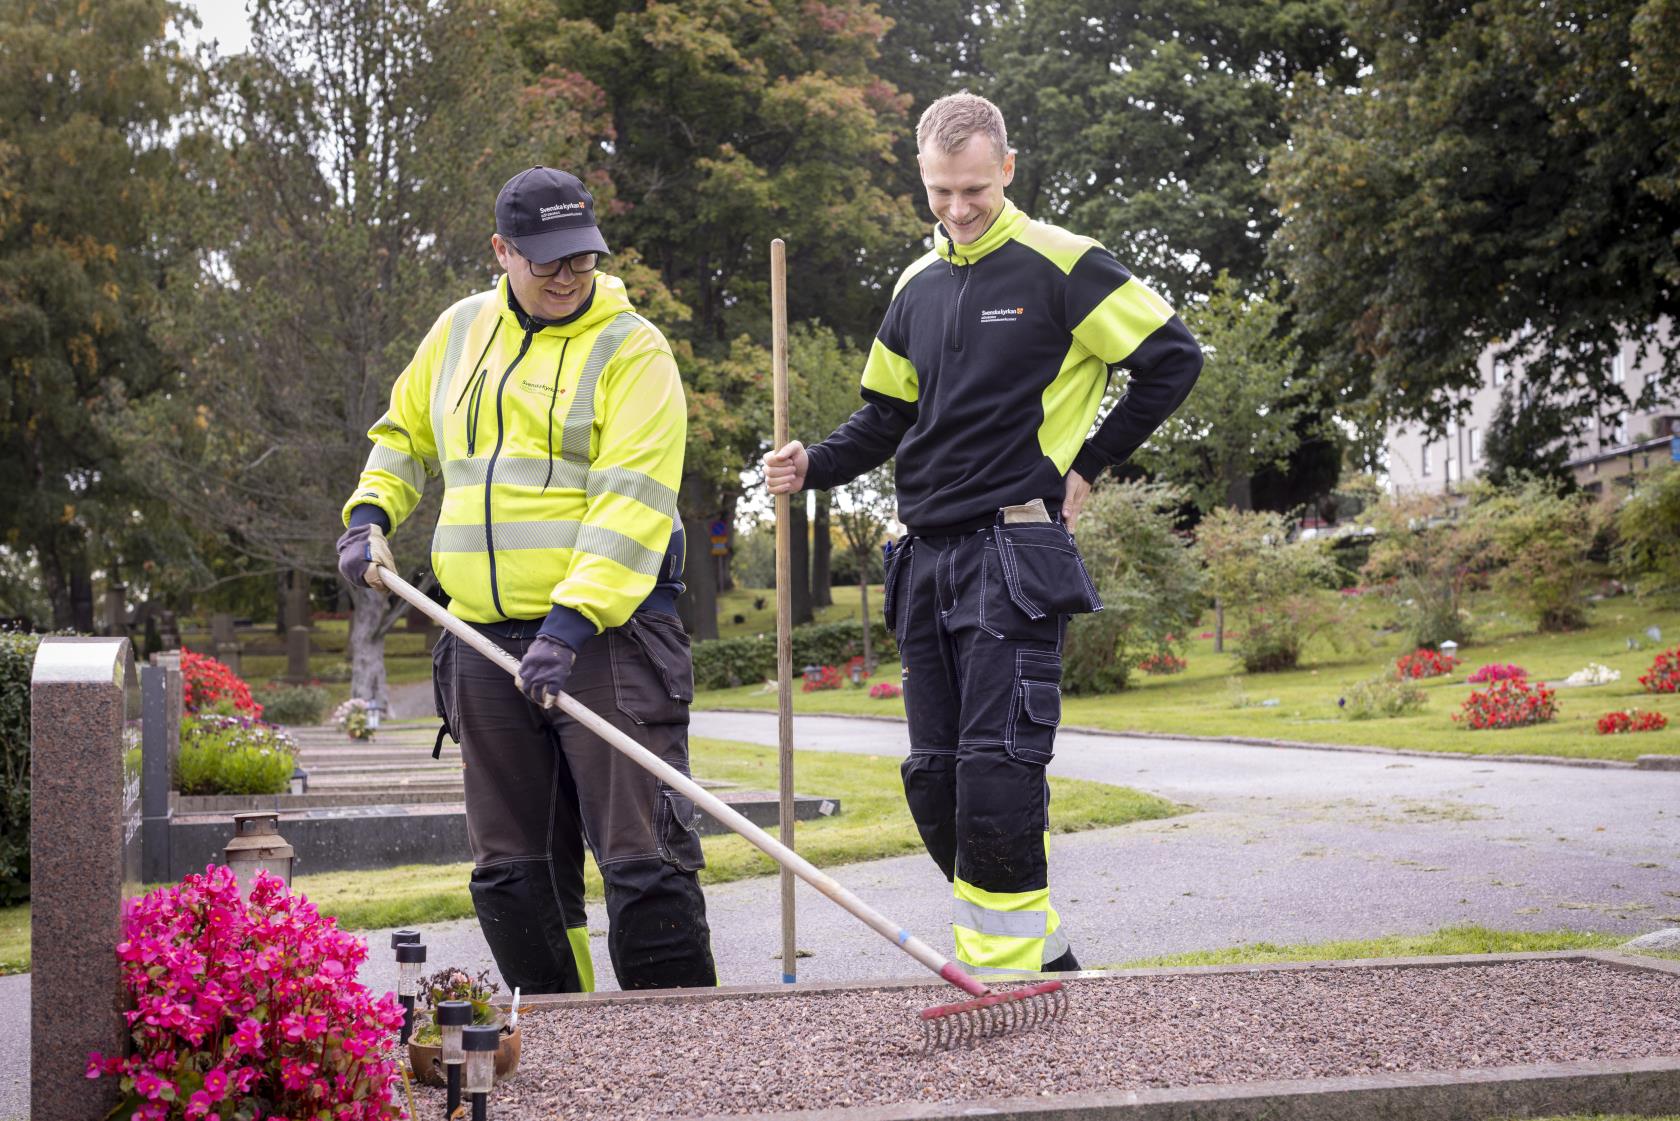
x,y
555,416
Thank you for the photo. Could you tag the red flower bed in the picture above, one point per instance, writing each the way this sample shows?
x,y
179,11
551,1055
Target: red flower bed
x,y
828,677
1163,663
884,691
204,681
1511,703
1664,674
1507,671
1424,662
1612,723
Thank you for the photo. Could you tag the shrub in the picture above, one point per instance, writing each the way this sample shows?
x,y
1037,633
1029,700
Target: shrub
x,y
1147,578
723,663
17,658
1425,558
1497,671
1648,532
1664,674
1163,663
234,755
205,682
1381,696
248,1010
1613,723
1540,541
1423,662
1266,581
1508,704
294,704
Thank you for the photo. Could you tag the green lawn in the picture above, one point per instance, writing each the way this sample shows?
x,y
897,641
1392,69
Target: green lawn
x,y
1446,941
873,823
762,620
1205,699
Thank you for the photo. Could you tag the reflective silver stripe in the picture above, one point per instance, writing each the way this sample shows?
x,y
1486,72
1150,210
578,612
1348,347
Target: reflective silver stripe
x,y
645,489
459,324
519,471
1011,924
629,552
400,464
387,424
983,970
574,435
1055,945
509,536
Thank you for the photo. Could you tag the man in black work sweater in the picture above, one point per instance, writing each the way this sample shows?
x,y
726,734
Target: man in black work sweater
x,y
984,380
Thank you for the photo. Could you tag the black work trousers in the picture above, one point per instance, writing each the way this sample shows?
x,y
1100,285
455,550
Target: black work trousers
x,y
979,619
539,786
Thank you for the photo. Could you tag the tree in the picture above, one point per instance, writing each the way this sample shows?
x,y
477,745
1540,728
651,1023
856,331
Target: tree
x,y
345,186
864,508
1503,177
87,97
1427,555
1648,533
1528,435
1150,127
1240,417
1267,581
733,124
1541,540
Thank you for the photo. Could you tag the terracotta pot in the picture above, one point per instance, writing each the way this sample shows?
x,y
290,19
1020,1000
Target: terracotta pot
x,y
426,1059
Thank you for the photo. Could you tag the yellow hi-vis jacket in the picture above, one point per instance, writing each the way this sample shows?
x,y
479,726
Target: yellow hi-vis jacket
x,y
560,448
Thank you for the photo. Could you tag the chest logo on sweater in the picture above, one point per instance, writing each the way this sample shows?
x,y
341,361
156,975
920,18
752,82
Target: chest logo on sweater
x,y
542,388
1002,314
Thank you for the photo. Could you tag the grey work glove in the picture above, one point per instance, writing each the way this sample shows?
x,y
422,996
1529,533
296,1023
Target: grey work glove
x,y
544,671
361,551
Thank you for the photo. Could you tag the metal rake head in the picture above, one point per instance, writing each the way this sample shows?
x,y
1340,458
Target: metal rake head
x,y
945,1027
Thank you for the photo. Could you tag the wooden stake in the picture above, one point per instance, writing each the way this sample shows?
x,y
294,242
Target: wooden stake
x,y
784,593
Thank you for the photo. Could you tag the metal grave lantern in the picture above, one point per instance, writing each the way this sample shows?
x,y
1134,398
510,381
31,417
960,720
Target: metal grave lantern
x,y
452,1016
480,1043
257,846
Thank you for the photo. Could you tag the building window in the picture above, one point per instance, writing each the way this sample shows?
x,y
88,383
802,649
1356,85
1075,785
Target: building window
x,y
1619,433
1427,460
1501,373
1475,445
1618,369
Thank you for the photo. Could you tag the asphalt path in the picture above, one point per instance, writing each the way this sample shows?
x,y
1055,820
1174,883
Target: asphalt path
x,y
1280,845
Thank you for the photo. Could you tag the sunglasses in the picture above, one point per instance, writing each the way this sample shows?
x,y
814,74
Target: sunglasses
x,y
578,264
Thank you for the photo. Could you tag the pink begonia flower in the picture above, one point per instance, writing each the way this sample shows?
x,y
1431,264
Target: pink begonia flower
x,y
150,1086
198,1105
215,1083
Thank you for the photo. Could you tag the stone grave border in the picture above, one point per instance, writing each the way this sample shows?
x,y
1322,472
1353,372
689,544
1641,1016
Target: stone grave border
x,y
1637,1086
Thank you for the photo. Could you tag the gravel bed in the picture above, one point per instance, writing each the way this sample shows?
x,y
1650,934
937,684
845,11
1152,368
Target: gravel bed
x,y
826,1050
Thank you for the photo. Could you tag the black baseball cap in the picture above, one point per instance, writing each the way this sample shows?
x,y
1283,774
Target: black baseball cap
x,y
548,214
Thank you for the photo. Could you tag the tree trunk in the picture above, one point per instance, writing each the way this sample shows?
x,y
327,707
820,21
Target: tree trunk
x,y
726,563
81,592
1219,626
800,541
367,646
698,603
822,552
868,631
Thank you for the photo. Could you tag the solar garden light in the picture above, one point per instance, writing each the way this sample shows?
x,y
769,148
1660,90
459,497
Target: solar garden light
x,y
1449,648
480,1042
300,780
257,846
452,1016
411,955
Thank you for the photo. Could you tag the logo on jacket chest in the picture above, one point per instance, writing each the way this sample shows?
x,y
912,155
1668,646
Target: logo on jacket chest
x,y
1002,314
541,388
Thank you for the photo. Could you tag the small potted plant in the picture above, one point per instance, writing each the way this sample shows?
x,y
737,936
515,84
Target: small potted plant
x,y
425,1046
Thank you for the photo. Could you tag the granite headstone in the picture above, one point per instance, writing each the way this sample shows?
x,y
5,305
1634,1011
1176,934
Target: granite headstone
x,y
85,840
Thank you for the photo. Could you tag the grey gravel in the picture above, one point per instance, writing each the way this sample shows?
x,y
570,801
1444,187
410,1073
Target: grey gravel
x,y
802,1051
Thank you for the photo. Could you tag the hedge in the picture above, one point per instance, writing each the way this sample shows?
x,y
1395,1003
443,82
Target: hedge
x,y
17,658
724,663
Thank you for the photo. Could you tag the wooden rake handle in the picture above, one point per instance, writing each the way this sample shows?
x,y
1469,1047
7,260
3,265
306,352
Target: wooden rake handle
x,y
701,797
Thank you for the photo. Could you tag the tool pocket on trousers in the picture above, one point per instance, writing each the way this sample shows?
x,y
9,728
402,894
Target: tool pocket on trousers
x,y
653,670
1044,572
897,566
443,685
1036,708
677,830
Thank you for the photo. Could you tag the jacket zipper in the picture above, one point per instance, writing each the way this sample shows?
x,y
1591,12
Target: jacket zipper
x,y
490,472
956,315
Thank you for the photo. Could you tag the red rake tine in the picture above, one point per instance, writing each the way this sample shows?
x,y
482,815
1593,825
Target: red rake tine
x,y
965,1023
